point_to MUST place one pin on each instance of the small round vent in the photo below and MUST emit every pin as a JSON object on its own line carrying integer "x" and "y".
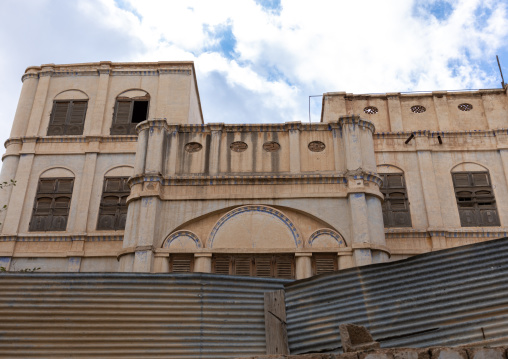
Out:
{"x": 418, "y": 109}
{"x": 271, "y": 146}
{"x": 316, "y": 146}
{"x": 370, "y": 110}
{"x": 193, "y": 147}
{"x": 238, "y": 146}
{"x": 465, "y": 107}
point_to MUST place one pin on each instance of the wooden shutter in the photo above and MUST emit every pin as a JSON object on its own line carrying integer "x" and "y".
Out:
{"x": 67, "y": 118}
{"x": 395, "y": 205}
{"x": 256, "y": 265}
{"x": 52, "y": 204}
{"x": 122, "y": 118}
{"x": 284, "y": 266}
{"x": 324, "y": 263}
{"x": 221, "y": 264}
{"x": 475, "y": 199}
{"x": 181, "y": 263}
{"x": 113, "y": 207}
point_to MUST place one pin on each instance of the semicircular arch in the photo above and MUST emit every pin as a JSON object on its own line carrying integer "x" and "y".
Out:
{"x": 57, "y": 172}
{"x": 134, "y": 94}
{"x": 182, "y": 239}
{"x": 72, "y": 94}
{"x": 254, "y": 226}
{"x": 469, "y": 167}
{"x": 120, "y": 171}
{"x": 389, "y": 168}
{"x": 326, "y": 238}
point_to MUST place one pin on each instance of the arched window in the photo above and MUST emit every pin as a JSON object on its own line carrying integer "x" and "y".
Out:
{"x": 475, "y": 198}
{"x": 131, "y": 108}
{"x": 396, "y": 205}
{"x": 68, "y": 113}
{"x": 113, "y": 207}
{"x": 52, "y": 201}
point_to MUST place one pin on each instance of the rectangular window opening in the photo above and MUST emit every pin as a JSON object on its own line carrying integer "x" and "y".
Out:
{"x": 396, "y": 205}
{"x": 140, "y": 111}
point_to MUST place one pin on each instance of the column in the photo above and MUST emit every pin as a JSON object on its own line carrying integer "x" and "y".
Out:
{"x": 394, "y": 112}
{"x": 376, "y": 228}
{"x": 39, "y": 101}
{"x": 94, "y": 126}
{"x": 161, "y": 263}
{"x": 338, "y": 148}
{"x": 155, "y": 150}
{"x": 303, "y": 265}
{"x": 9, "y": 169}
{"x": 360, "y": 229}
{"x": 430, "y": 194}
{"x": 139, "y": 161}
{"x": 294, "y": 146}
{"x": 26, "y": 99}
{"x": 213, "y": 155}
{"x": 203, "y": 262}
{"x": 171, "y": 157}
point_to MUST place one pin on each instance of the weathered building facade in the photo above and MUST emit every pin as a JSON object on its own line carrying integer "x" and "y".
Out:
{"x": 116, "y": 170}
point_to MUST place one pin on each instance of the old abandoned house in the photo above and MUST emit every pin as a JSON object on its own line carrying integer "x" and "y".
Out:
{"x": 117, "y": 171}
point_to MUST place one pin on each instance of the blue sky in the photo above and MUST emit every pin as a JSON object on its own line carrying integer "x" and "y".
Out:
{"x": 258, "y": 61}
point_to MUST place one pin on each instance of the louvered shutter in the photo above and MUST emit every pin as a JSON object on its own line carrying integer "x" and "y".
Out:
{"x": 475, "y": 199}
{"x": 76, "y": 118}
{"x": 395, "y": 205}
{"x": 284, "y": 266}
{"x": 324, "y": 263}
{"x": 113, "y": 207}
{"x": 122, "y": 119}
{"x": 221, "y": 264}
{"x": 263, "y": 266}
{"x": 242, "y": 265}
{"x": 52, "y": 205}
{"x": 58, "y": 118}
{"x": 181, "y": 263}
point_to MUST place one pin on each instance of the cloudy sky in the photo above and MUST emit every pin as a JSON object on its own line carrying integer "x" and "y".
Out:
{"x": 259, "y": 61}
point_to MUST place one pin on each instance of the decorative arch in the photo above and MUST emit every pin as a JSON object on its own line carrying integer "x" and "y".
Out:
{"x": 72, "y": 94}
{"x": 250, "y": 225}
{"x": 57, "y": 172}
{"x": 134, "y": 94}
{"x": 388, "y": 168}
{"x": 326, "y": 238}
{"x": 182, "y": 239}
{"x": 469, "y": 167}
{"x": 120, "y": 171}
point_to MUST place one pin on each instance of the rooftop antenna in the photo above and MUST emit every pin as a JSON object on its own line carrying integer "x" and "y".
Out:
{"x": 501, "y": 71}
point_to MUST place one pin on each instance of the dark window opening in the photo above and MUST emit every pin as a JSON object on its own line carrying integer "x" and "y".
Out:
{"x": 113, "y": 207}
{"x": 396, "y": 205}
{"x": 259, "y": 265}
{"x": 67, "y": 118}
{"x": 475, "y": 199}
{"x": 51, "y": 205}
{"x": 128, "y": 113}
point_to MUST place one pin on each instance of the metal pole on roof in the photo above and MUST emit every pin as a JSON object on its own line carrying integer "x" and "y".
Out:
{"x": 501, "y": 71}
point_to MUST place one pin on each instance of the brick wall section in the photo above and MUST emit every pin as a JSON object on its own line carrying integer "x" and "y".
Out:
{"x": 406, "y": 353}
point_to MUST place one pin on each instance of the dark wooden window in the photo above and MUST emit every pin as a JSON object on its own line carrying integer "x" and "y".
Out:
{"x": 396, "y": 205}
{"x": 255, "y": 265}
{"x": 113, "y": 208}
{"x": 324, "y": 263}
{"x": 475, "y": 199}
{"x": 51, "y": 205}
{"x": 128, "y": 113}
{"x": 181, "y": 263}
{"x": 67, "y": 118}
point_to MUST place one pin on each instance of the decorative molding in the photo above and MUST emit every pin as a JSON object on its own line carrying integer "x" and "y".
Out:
{"x": 444, "y": 134}
{"x": 70, "y": 139}
{"x": 394, "y": 233}
{"x": 29, "y": 76}
{"x": 355, "y": 120}
{"x": 60, "y": 238}
{"x": 253, "y": 208}
{"x": 175, "y": 71}
{"x": 183, "y": 233}
{"x": 341, "y": 242}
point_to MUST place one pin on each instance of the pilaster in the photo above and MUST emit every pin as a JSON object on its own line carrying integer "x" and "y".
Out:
{"x": 216, "y": 133}
{"x": 41, "y": 95}
{"x": 79, "y": 222}
{"x": 394, "y": 112}
{"x": 294, "y": 146}
{"x": 94, "y": 125}
{"x": 203, "y": 262}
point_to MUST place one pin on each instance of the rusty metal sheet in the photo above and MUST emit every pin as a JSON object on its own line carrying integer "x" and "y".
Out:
{"x": 132, "y": 315}
{"x": 451, "y": 297}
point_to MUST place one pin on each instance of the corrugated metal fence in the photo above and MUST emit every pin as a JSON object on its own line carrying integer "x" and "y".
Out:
{"x": 451, "y": 297}
{"x": 132, "y": 315}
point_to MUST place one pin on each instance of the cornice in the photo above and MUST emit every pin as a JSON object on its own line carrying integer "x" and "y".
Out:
{"x": 443, "y": 134}
{"x": 69, "y": 139}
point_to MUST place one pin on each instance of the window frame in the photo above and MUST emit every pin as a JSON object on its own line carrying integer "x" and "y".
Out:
{"x": 54, "y": 195}
{"x": 479, "y": 219}
{"x": 67, "y": 126}
{"x": 277, "y": 267}
{"x": 389, "y": 212}
{"x": 120, "y": 208}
